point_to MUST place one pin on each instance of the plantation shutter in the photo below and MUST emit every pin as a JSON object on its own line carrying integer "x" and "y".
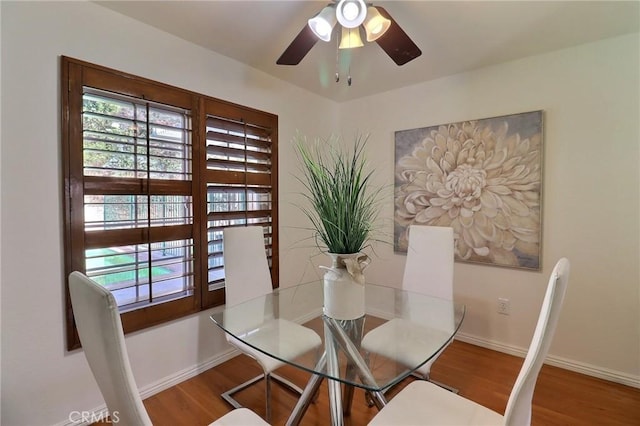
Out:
{"x": 138, "y": 209}
{"x": 241, "y": 183}
{"x": 129, "y": 213}
{"x": 152, "y": 174}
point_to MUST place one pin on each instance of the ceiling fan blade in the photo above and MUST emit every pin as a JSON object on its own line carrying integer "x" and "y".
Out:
{"x": 299, "y": 47}
{"x": 396, "y": 43}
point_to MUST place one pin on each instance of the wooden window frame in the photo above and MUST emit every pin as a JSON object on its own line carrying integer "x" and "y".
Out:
{"x": 77, "y": 74}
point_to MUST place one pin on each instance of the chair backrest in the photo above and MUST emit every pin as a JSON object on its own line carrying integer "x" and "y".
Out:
{"x": 518, "y": 411}
{"x": 429, "y": 266}
{"x": 100, "y": 330}
{"x": 246, "y": 267}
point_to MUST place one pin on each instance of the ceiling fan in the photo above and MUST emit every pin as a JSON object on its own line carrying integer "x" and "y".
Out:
{"x": 352, "y": 15}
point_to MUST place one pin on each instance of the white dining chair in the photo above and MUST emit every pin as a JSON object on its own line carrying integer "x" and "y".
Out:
{"x": 423, "y": 403}
{"x": 429, "y": 271}
{"x": 100, "y": 330}
{"x": 247, "y": 276}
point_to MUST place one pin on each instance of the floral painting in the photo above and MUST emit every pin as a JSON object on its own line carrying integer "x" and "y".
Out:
{"x": 480, "y": 177}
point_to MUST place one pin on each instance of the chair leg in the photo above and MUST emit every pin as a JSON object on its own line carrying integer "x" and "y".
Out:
{"x": 267, "y": 387}
{"x": 369, "y": 398}
{"x": 442, "y": 385}
{"x": 227, "y": 396}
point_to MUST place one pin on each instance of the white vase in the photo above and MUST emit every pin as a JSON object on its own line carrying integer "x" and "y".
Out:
{"x": 344, "y": 286}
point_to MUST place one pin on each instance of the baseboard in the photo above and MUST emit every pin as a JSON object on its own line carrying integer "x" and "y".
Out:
{"x": 187, "y": 373}
{"x": 556, "y": 361}
{"x": 101, "y": 412}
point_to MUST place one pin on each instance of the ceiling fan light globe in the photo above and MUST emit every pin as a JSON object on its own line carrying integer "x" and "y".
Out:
{"x": 351, "y": 13}
{"x": 322, "y": 30}
{"x": 375, "y": 25}
{"x": 350, "y": 38}
{"x": 322, "y": 24}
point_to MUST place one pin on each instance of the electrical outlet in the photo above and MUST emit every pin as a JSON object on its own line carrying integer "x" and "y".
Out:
{"x": 504, "y": 307}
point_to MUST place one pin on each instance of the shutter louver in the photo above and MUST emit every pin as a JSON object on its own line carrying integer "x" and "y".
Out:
{"x": 240, "y": 186}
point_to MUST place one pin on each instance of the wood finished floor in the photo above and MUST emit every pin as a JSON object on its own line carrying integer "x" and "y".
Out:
{"x": 561, "y": 397}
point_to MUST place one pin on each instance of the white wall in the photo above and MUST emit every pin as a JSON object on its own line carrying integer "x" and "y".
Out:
{"x": 41, "y": 382}
{"x": 0, "y": 230}
{"x": 591, "y": 194}
{"x": 590, "y": 97}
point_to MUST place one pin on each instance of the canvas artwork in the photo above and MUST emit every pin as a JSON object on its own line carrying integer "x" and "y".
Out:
{"x": 482, "y": 178}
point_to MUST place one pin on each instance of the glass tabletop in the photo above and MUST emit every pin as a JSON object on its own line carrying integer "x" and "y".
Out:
{"x": 414, "y": 318}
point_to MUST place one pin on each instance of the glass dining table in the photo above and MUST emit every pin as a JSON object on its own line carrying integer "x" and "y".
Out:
{"x": 341, "y": 359}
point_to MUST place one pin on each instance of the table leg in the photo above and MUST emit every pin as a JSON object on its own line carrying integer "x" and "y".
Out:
{"x": 353, "y": 355}
{"x": 355, "y": 330}
{"x": 345, "y": 334}
{"x": 347, "y": 397}
{"x": 308, "y": 394}
{"x": 333, "y": 369}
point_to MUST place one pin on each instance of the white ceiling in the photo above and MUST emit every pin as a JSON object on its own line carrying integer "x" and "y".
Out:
{"x": 454, "y": 36}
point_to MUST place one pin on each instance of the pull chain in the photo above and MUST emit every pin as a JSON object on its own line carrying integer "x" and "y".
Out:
{"x": 337, "y": 60}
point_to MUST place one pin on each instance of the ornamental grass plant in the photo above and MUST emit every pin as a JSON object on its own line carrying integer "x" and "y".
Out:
{"x": 344, "y": 204}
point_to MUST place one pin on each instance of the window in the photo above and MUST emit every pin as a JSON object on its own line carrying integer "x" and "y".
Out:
{"x": 129, "y": 148}
{"x": 153, "y": 174}
{"x": 240, "y": 184}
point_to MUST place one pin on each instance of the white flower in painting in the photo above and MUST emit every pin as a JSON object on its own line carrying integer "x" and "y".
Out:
{"x": 483, "y": 183}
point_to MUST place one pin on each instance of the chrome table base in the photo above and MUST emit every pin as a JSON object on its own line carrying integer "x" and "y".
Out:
{"x": 346, "y": 336}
